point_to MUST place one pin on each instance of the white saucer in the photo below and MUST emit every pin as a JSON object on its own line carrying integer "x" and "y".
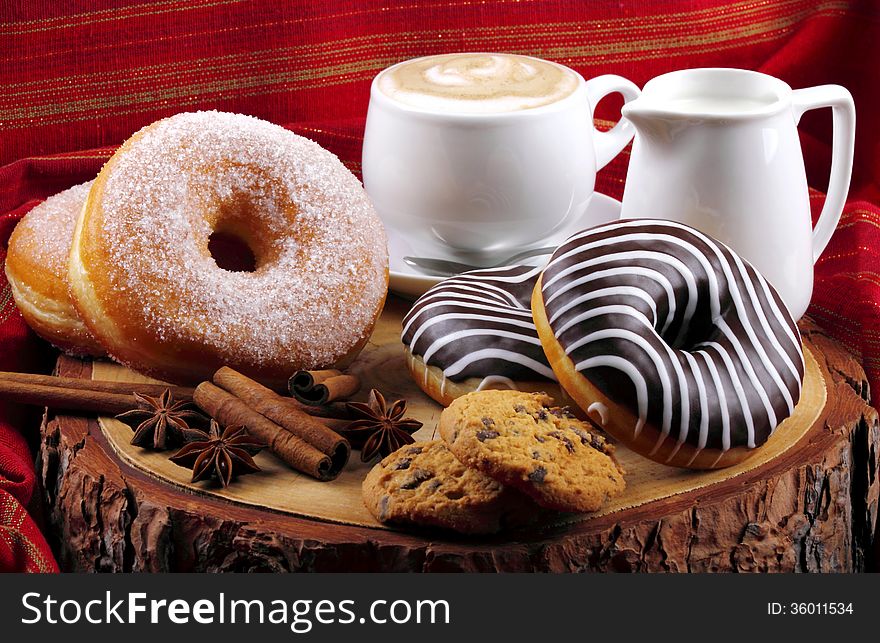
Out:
{"x": 410, "y": 283}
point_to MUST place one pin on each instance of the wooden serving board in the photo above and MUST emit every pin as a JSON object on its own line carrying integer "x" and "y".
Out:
{"x": 382, "y": 366}
{"x": 764, "y": 513}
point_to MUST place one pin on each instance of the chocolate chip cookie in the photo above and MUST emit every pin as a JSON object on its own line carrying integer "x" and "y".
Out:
{"x": 521, "y": 440}
{"x": 423, "y": 484}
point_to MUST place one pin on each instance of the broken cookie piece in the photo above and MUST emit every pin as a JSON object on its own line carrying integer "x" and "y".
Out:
{"x": 425, "y": 485}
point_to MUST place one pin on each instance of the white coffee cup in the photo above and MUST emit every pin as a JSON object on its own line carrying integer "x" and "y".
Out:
{"x": 478, "y": 177}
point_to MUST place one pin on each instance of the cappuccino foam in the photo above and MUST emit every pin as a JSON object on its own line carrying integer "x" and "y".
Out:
{"x": 477, "y": 83}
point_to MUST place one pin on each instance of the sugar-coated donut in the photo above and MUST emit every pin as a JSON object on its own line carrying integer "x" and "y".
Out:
{"x": 474, "y": 332}
{"x": 670, "y": 340}
{"x": 145, "y": 282}
{"x": 36, "y": 267}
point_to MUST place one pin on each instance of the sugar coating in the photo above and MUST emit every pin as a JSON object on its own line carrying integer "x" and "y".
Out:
{"x": 50, "y": 225}
{"x": 320, "y": 247}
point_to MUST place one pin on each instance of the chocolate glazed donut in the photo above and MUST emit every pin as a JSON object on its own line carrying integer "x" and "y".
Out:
{"x": 678, "y": 346}
{"x": 475, "y": 331}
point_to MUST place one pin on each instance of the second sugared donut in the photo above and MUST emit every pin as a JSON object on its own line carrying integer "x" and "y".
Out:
{"x": 145, "y": 281}
{"x": 36, "y": 267}
{"x": 671, "y": 341}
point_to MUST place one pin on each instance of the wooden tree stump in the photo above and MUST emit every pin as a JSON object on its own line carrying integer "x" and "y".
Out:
{"x": 812, "y": 508}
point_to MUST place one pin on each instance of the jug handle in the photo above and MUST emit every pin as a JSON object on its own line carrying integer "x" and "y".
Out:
{"x": 609, "y": 144}
{"x": 844, "y": 132}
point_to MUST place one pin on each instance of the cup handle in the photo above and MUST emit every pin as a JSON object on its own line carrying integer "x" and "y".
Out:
{"x": 609, "y": 144}
{"x": 843, "y": 142}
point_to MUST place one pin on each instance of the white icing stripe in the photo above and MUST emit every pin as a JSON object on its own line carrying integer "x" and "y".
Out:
{"x": 740, "y": 394}
{"x": 750, "y": 371}
{"x": 464, "y": 288}
{"x": 494, "y": 353}
{"x": 740, "y": 304}
{"x": 704, "y": 403}
{"x": 464, "y": 299}
{"x": 657, "y": 276}
{"x": 765, "y": 325}
{"x": 475, "y": 317}
{"x": 722, "y": 401}
{"x": 487, "y": 285}
{"x": 646, "y": 255}
{"x": 715, "y": 299}
{"x": 780, "y": 316}
{"x": 492, "y": 380}
{"x": 620, "y": 291}
{"x": 601, "y": 410}
{"x": 780, "y": 319}
{"x": 467, "y": 296}
{"x": 474, "y": 332}
{"x": 606, "y": 310}
{"x": 771, "y": 336}
{"x": 642, "y": 343}
{"x": 638, "y": 380}
{"x": 485, "y": 290}
{"x": 684, "y": 413}
{"x": 524, "y": 319}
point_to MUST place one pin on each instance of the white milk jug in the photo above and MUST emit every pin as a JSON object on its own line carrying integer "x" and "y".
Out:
{"x": 718, "y": 149}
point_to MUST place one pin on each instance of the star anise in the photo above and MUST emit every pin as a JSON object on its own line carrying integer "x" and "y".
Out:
{"x": 221, "y": 455}
{"x": 379, "y": 429}
{"x": 165, "y": 423}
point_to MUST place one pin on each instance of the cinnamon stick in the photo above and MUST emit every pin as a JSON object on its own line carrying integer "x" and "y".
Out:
{"x": 227, "y": 409}
{"x": 127, "y": 388}
{"x": 336, "y": 423}
{"x": 279, "y": 409}
{"x": 333, "y": 410}
{"x": 308, "y": 379}
{"x": 321, "y": 387}
{"x": 69, "y": 399}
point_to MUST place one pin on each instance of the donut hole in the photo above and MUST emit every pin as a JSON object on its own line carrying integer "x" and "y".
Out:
{"x": 231, "y": 252}
{"x": 701, "y": 330}
{"x": 698, "y": 339}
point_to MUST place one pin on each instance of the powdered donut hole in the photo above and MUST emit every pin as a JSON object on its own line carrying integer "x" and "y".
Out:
{"x": 309, "y": 267}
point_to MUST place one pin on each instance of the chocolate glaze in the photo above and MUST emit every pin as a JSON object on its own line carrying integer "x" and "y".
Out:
{"x": 676, "y": 327}
{"x": 479, "y": 324}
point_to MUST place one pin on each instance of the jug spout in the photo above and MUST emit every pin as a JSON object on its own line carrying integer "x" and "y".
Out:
{"x": 649, "y": 119}
{"x": 638, "y": 110}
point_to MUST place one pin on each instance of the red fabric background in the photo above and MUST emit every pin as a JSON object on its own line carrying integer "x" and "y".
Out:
{"x": 76, "y": 80}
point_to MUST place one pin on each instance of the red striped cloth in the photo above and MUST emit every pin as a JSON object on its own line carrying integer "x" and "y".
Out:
{"x": 77, "y": 80}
